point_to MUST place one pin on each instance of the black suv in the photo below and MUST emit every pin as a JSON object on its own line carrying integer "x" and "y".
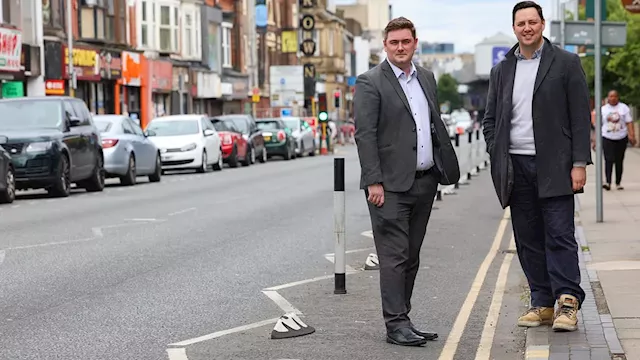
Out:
{"x": 7, "y": 178}
{"x": 53, "y": 142}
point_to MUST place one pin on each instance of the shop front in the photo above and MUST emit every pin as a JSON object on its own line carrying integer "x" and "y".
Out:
{"x": 131, "y": 86}
{"x": 235, "y": 91}
{"x": 161, "y": 73}
{"x": 86, "y": 66}
{"x": 12, "y": 74}
{"x": 181, "y": 89}
{"x": 208, "y": 97}
{"x": 110, "y": 63}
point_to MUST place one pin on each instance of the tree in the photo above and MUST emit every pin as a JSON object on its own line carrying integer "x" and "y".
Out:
{"x": 448, "y": 91}
{"x": 621, "y": 67}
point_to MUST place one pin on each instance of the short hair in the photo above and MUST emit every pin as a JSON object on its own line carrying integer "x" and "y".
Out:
{"x": 400, "y": 24}
{"x": 525, "y": 5}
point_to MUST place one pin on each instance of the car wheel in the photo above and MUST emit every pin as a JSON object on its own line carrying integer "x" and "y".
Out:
{"x": 96, "y": 182}
{"x": 157, "y": 174}
{"x": 233, "y": 158}
{"x": 204, "y": 167}
{"x": 220, "y": 164}
{"x": 61, "y": 187}
{"x": 313, "y": 150}
{"x": 252, "y": 155}
{"x": 130, "y": 177}
{"x": 9, "y": 193}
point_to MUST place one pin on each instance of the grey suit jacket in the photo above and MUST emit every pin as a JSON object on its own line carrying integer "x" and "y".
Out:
{"x": 561, "y": 121}
{"x": 386, "y": 132}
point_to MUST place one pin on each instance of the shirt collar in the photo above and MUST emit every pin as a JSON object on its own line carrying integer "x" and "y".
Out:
{"x": 399, "y": 72}
{"x": 536, "y": 54}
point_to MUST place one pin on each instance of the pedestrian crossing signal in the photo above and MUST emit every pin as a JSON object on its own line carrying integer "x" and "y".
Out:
{"x": 323, "y": 116}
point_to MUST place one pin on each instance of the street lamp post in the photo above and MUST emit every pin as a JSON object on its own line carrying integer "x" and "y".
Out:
{"x": 71, "y": 70}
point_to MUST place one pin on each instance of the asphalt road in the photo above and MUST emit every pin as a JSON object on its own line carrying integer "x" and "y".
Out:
{"x": 124, "y": 273}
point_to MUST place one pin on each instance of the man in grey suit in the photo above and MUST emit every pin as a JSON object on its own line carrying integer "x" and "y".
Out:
{"x": 404, "y": 151}
{"x": 537, "y": 127}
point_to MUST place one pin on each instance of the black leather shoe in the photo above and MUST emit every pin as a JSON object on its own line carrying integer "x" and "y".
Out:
{"x": 405, "y": 337}
{"x": 426, "y": 335}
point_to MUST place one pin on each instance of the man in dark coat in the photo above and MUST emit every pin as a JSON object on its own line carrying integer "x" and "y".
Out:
{"x": 537, "y": 130}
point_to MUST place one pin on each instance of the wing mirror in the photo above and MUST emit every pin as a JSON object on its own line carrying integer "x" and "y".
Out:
{"x": 74, "y": 121}
{"x": 208, "y": 132}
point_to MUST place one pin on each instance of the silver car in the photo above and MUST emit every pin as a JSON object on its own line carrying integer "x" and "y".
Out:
{"x": 303, "y": 133}
{"x": 128, "y": 153}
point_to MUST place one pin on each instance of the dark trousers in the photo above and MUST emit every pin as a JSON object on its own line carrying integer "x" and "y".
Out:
{"x": 399, "y": 227}
{"x": 614, "y": 155}
{"x": 544, "y": 230}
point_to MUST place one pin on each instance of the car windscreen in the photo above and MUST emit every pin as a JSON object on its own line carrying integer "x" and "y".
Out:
{"x": 173, "y": 128}
{"x": 104, "y": 126}
{"x": 241, "y": 124}
{"x": 219, "y": 125}
{"x": 269, "y": 125}
{"x": 30, "y": 114}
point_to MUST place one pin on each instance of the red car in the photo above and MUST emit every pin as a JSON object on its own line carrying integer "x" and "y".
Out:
{"x": 234, "y": 146}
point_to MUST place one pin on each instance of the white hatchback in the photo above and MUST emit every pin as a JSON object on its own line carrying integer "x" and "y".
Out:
{"x": 186, "y": 142}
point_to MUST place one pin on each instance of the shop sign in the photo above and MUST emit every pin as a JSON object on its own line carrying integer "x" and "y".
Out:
{"x": 110, "y": 65}
{"x": 12, "y": 89}
{"x": 161, "y": 75}
{"x": 131, "y": 68}
{"x": 208, "y": 85}
{"x": 85, "y": 62}
{"x": 54, "y": 87}
{"x": 240, "y": 89}
{"x": 10, "y": 49}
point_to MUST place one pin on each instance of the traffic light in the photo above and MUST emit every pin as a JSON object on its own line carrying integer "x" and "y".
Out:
{"x": 323, "y": 114}
{"x": 336, "y": 98}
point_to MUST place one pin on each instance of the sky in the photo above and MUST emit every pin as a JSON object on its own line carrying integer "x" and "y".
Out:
{"x": 463, "y": 22}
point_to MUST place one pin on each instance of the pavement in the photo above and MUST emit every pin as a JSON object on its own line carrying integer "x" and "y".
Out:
{"x": 201, "y": 266}
{"x": 609, "y": 325}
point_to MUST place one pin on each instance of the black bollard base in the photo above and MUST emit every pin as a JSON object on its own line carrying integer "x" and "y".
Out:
{"x": 340, "y": 284}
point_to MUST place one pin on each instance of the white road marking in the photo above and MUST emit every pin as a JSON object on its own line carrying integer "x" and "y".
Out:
{"x": 2, "y": 255}
{"x": 331, "y": 259}
{"x": 50, "y": 244}
{"x": 97, "y": 232}
{"x": 352, "y": 251}
{"x": 182, "y": 211}
{"x": 15, "y": 206}
{"x": 491, "y": 322}
{"x": 282, "y": 303}
{"x": 451, "y": 345}
{"x": 177, "y": 354}
{"x": 142, "y": 220}
{"x": 368, "y": 233}
{"x": 218, "y": 334}
{"x": 306, "y": 281}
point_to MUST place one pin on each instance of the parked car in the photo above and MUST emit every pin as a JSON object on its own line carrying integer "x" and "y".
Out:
{"x": 7, "y": 178}
{"x": 247, "y": 126}
{"x": 53, "y": 142}
{"x": 303, "y": 134}
{"x": 463, "y": 121}
{"x": 128, "y": 153}
{"x": 186, "y": 142}
{"x": 278, "y": 138}
{"x": 451, "y": 127}
{"x": 235, "y": 149}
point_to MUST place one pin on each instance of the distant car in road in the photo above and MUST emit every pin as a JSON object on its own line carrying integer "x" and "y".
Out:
{"x": 186, "y": 142}
{"x": 303, "y": 134}
{"x": 128, "y": 153}
{"x": 235, "y": 149}
{"x": 53, "y": 143}
{"x": 7, "y": 177}
{"x": 278, "y": 138}
{"x": 247, "y": 126}
{"x": 462, "y": 121}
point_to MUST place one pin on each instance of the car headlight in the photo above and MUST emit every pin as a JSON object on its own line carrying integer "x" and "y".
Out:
{"x": 189, "y": 147}
{"x": 39, "y": 147}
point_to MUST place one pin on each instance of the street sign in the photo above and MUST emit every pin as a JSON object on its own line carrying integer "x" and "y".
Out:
{"x": 286, "y": 112}
{"x": 498, "y": 53}
{"x": 632, "y": 6}
{"x": 255, "y": 98}
{"x": 614, "y": 34}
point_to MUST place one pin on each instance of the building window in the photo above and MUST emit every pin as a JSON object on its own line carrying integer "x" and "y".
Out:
{"x": 191, "y": 33}
{"x": 145, "y": 25}
{"x": 168, "y": 28}
{"x": 226, "y": 44}
{"x": 110, "y": 21}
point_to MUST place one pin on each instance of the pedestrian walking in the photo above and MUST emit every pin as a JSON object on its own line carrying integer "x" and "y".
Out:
{"x": 617, "y": 132}
{"x": 536, "y": 170}
{"x": 404, "y": 152}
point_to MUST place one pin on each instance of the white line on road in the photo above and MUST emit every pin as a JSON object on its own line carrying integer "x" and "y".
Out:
{"x": 97, "y": 232}
{"x": 282, "y": 303}
{"x": 2, "y": 254}
{"x": 50, "y": 244}
{"x": 218, "y": 334}
{"x": 352, "y": 251}
{"x": 182, "y": 211}
{"x": 451, "y": 345}
{"x": 491, "y": 323}
{"x": 177, "y": 354}
{"x": 368, "y": 233}
{"x": 142, "y": 220}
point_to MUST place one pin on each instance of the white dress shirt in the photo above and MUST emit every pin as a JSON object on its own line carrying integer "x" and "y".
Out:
{"x": 421, "y": 115}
